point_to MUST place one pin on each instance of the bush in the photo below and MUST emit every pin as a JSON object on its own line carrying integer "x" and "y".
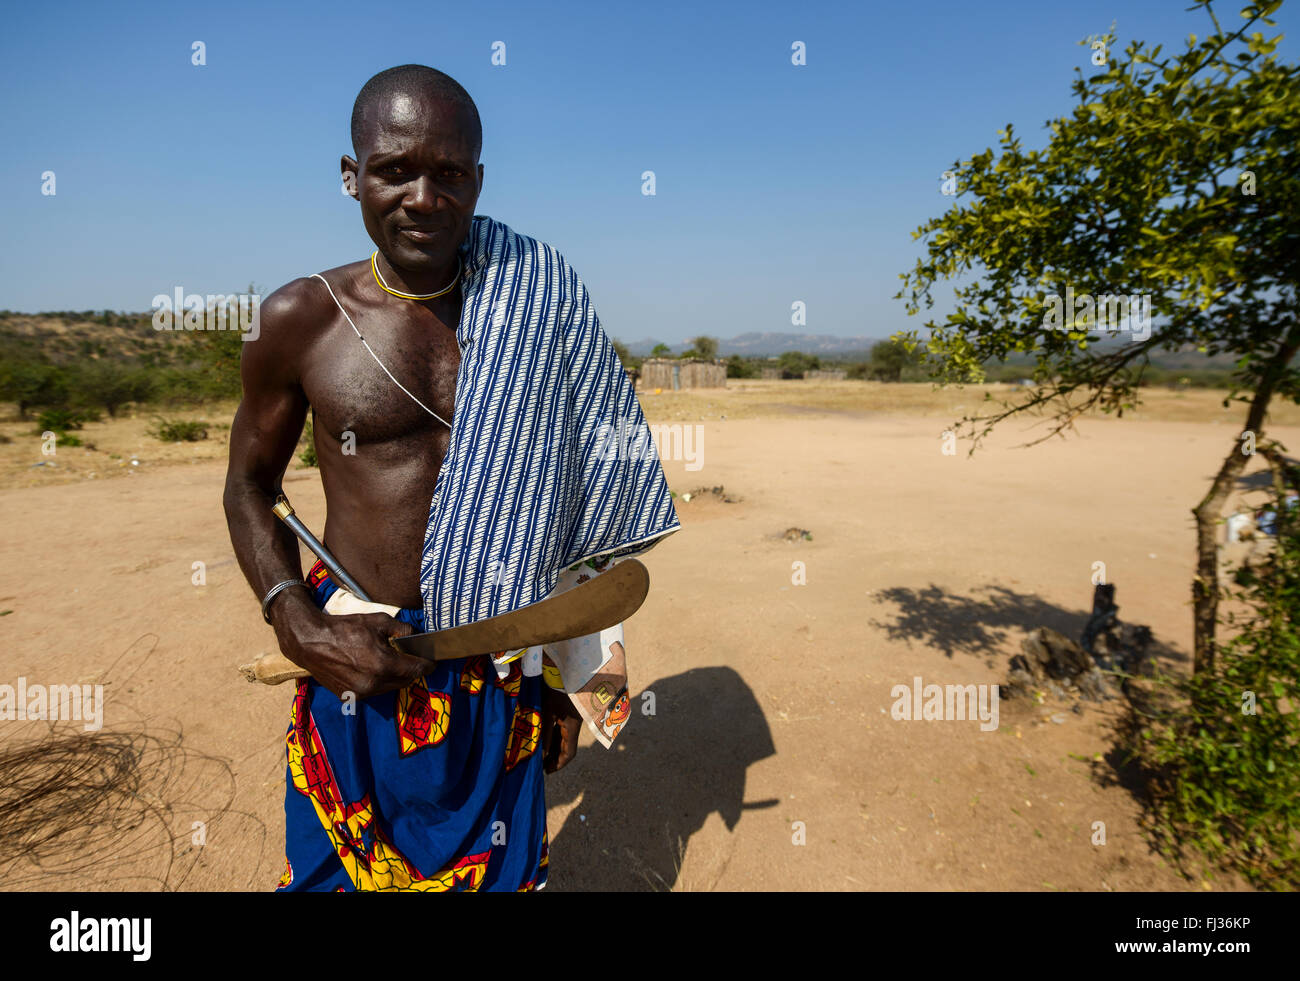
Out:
{"x": 61, "y": 420}
{"x": 217, "y": 354}
{"x": 738, "y": 367}
{"x": 888, "y": 361}
{"x": 179, "y": 431}
{"x": 794, "y": 363}
{"x": 1222, "y": 754}
{"x": 624, "y": 355}
{"x": 308, "y": 454}
{"x": 30, "y": 382}
{"x": 705, "y": 347}
{"x": 110, "y": 385}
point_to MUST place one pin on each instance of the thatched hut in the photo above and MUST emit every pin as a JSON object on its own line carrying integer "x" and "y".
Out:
{"x": 672, "y": 374}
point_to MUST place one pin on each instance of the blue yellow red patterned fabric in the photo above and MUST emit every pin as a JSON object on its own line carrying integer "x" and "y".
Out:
{"x": 436, "y": 787}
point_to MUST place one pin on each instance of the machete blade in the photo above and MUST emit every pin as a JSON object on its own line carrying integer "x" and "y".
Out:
{"x": 602, "y": 601}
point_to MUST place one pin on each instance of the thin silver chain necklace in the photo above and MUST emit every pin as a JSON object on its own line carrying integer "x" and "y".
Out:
{"x": 376, "y": 357}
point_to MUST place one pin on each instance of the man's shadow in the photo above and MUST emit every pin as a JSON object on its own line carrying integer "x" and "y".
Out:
{"x": 665, "y": 774}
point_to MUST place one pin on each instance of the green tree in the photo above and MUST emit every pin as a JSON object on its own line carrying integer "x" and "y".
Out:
{"x": 661, "y": 351}
{"x": 794, "y": 363}
{"x": 1224, "y": 774}
{"x": 888, "y": 359}
{"x": 705, "y": 347}
{"x": 109, "y": 385}
{"x": 624, "y": 355}
{"x": 738, "y": 367}
{"x": 308, "y": 443}
{"x": 1175, "y": 178}
{"x": 218, "y": 352}
{"x": 29, "y": 382}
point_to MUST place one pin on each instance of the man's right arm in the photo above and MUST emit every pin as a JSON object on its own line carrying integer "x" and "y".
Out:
{"x": 348, "y": 653}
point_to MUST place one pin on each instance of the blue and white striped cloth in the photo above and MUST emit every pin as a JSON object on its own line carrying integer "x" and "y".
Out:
{"x": 529, "y": 486}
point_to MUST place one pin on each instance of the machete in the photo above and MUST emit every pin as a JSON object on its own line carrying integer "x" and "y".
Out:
{"x": 606, "y": 599}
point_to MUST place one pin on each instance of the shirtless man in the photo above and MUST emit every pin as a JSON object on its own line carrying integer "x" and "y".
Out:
{"x": 417, "y": 137}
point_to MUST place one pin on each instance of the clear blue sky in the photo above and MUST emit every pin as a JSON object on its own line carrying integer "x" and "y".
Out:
{"x": 775, "y": 183}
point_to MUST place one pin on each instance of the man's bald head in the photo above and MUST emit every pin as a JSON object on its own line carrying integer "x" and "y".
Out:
{"x": 413, "y": 80}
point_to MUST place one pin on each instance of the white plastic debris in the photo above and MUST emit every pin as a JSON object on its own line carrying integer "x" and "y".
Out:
{"x": 1237, "y": 524}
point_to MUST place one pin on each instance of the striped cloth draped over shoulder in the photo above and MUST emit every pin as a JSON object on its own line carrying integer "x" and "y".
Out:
{"x": 538, "y": 475}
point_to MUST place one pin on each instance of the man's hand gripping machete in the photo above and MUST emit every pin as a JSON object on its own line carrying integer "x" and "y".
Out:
{"x": 601, "y": 602}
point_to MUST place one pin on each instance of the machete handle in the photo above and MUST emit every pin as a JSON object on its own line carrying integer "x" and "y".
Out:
{"x": 275, "y": 669}
{"x": 272, "y": 669}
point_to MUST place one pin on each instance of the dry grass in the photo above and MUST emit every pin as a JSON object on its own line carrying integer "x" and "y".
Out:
{"x": 652, "y": 878}
{"x": 746, "y": 399}
{"x": 113, "y": 444}
{"x": 108, "y": 448}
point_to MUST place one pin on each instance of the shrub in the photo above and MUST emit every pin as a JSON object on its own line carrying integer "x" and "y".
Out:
{"x": 110, "y": 385}
{"x": 30, "y": 382}
{"x": 179, "y": 430}
{"x": 738, "y": 367}
{"x": 705, "y": 347}
{"x": 794, "y": 363}
{"x": 61, "y": 420}
{"x": 888, "y": 360}
{"x": 1222, "y": 750}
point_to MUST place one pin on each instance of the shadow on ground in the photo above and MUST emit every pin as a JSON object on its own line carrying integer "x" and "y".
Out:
{"x": 666, "y": 774}
{"x": 1258, "y": 480}
{"x": 990, "y": 626}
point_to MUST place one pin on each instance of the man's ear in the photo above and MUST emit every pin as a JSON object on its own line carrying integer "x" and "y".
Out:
{"x": 480, "y": 178}
{"x": 349, "y": 168}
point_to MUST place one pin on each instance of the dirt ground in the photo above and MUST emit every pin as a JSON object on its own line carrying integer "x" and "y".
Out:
{"x": 771, "y": 697}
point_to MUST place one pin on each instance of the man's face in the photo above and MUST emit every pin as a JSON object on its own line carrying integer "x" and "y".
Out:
{"x": 418, "y": 180}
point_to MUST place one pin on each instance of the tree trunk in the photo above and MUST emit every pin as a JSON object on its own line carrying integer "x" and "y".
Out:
{"x": 1205, "y": 587}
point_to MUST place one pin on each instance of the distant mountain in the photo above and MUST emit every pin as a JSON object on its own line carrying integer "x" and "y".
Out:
{"x": 766, "y": 345}
{"x": 754, "y": 345}
{"x": 642, "y": 349}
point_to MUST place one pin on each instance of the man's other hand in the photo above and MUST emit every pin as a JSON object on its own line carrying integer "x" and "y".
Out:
{"x": 561, "y": 724}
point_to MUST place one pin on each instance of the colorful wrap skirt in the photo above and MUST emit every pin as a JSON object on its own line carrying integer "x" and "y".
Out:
{"x": 435, "y": 787}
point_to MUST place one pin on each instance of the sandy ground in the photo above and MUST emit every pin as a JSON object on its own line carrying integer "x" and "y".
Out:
{"x": 770, "y": 699}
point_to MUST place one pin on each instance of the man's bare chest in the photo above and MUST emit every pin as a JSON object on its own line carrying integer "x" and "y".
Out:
{"x": 351, "y": 391}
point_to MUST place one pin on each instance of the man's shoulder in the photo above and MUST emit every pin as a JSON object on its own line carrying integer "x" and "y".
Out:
{"x": 493, "y": 239}
{"x": 305, "y": 302}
